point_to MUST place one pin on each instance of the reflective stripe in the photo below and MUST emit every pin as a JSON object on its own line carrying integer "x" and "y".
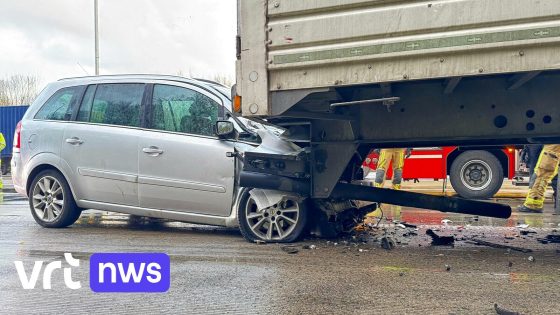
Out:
{"x": 535, "y": 204}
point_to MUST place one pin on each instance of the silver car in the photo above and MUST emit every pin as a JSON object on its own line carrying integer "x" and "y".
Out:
{"x": 147, "y": 146}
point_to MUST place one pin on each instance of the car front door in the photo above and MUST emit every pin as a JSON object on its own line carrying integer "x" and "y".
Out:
{"x": 182, "y": 165}
{"x": 101, "y": 147}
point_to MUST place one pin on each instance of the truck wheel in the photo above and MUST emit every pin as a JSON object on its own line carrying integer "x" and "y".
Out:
{"x": 51, "y": 201}
{"x": 284, "y": 222}
{"x": 476, "y": 175}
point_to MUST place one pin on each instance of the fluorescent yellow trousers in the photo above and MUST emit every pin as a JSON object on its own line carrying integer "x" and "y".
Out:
{"x": 385, "y": 158}
{"x": 2, "y": 146}
{"x": 545, "y": 170}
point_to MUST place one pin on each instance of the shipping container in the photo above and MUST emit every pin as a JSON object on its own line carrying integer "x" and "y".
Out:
{"x": 9, "y": 117}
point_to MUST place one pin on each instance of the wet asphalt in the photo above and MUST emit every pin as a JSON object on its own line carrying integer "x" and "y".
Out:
{"x": 213, "y": 270}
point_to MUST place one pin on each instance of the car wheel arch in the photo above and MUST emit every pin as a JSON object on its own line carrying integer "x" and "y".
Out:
{"x": 43, "y": 167}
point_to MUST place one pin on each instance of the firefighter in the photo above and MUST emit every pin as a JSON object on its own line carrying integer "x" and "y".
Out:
{"x": 385, "y": 158}
{"x": 530, "y": 155}
{"x": 2, "y": 146}
{"x": 545, "y": 170}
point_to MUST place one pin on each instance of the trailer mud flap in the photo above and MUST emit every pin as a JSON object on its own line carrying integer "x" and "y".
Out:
{"x": 416, "y": 200}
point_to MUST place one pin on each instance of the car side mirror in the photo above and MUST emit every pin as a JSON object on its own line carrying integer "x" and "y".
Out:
{"x": 224, "y": 129}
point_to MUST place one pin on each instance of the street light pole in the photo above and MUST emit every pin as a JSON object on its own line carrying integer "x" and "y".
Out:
{"x": 96, "y": 22}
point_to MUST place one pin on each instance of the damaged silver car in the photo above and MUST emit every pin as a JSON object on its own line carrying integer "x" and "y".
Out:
{"x": 155, "y": 146}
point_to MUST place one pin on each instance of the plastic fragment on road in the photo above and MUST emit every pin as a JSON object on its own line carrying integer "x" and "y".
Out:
{"x": 496, "y": 245}
{"x": 553, "y": 238}
{"x": 440, "y": 240}
{"x": 387, "y": 243}
{"x": 522, "y": 226}
{"x": 503, "y": 311}
{"x": 446, "y": 221}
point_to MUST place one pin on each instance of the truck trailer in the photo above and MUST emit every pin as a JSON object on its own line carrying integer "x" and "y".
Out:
{"x": 346, "y": 76}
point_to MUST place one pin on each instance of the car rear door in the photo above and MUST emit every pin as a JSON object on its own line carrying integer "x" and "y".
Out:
{"x": 182, "y": 165}
{"x": 100, "y": 148}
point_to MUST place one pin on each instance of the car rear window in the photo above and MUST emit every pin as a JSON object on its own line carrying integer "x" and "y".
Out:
{"x": 112, "y": 104}
{"x": 59, "y": 106}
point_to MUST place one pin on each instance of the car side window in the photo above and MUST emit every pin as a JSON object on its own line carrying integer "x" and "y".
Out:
{"x": 112, "y": 104}
{"x": 183, "y": 110}
{"x": 59, "y": 106}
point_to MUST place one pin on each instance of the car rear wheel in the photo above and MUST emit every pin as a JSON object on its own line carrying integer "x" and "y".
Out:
{"x": 476, "y": 175}
{"x": 284, "y": 222}
{"x": 51, "y": 201}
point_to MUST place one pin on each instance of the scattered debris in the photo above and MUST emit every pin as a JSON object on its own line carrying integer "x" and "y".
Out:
{"x": 410, "y": 234}
{"x": 401, "y": 274}
{"x": 489, "y": 244}
{"x": 525, "y": 232}
{"x": 440, "y": 240}
{"x": 309, "y": 247}
{"x": 446, "y": 221}
{"x": 362, "y": 250}
{"x": 335, "y": 244}
{"x": 522, "y": 226}
{"x": 531, "y": 258}
{"x": 503, "y": 311}
{"x": 550, "y": 239}
{"x": 260, "y": 242}
{"x": 402, "y": 226}
{"x": 447, "y": 268}
{"x": 387, "y": 243}
{"x": 510, "y": 264}
{"x": 290, "y": 249}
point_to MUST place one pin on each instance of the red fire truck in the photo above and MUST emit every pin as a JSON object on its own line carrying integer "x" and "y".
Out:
{"x": 475, "y": 173}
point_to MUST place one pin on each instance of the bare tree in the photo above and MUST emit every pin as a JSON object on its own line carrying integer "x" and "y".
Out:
{"x": 18, "y": 89}
{"x": 220, "y": 78}
{"x": 223, "y": 79}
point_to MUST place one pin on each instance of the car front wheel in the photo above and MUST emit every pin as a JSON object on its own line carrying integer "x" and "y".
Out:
{"x": 51, "y": 201}
{"x": 284, "y": 222}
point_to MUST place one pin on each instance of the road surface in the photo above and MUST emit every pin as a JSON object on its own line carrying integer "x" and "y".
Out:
{"x": 213, "y": 270}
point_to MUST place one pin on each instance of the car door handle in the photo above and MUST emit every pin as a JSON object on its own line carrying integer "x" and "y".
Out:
{"x": 153, "y": 151}
{"x": 74, "y": 141}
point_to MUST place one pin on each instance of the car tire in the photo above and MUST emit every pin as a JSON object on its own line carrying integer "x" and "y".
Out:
{"x": 476, "y": 175}
{"x": 51, "y": 201}
{"x": 285, "y": 222}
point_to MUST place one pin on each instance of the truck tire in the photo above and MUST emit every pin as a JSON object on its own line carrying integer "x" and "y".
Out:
{"x": 476, "y": 175}
{"x": 285, "y": 222}
{"x": 51, "y": 201}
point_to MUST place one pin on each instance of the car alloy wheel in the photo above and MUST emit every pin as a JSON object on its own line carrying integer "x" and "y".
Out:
{"x": 48, "y": 199}
{"x": 274, "y": 223}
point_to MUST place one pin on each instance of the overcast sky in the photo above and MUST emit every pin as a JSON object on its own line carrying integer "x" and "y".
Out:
{"x": 55, "y": 38}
